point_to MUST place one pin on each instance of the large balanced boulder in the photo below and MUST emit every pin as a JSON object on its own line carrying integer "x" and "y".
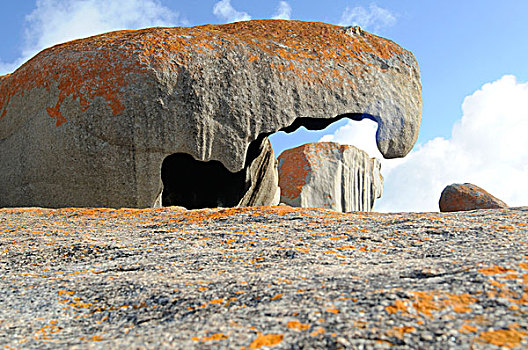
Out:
{"x": 92, "y": 122}
{"x": 328, "y": 175}
{"x": 461, "y": 197}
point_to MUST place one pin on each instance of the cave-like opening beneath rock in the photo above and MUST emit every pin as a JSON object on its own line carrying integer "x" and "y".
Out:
{"x": 196, "y": 184}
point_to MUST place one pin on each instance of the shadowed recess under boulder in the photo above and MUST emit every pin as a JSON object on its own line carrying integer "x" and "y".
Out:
{"x": 194, "y": 184}
{"x": 98, "y": 116}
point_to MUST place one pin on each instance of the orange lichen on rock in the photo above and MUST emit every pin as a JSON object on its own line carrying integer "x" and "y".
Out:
{"x": 104, "y": 65}
{"x": 427, "y": 302}
{"x": 216, "y": 336}
{"x": 466, "y": 328}
{"x": 424, "y": 303}
{"x": 266, "y": 340}
{"x": 399, "y": 305}
{"x": 295, "y": 172}
{"x": 298, "y": 325}
{"x": 508, "y": 338}
{"x": 332, "y": 310}
{"x": 461, "y": 197}
{"x": 198, "y": 216}
{"x": 399, "y": 332}
{"x": 494, "y": 270}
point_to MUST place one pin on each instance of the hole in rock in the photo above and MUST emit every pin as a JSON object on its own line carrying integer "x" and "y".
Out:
{"x": 307, "y": 130}
{"x": 194, "y": 184}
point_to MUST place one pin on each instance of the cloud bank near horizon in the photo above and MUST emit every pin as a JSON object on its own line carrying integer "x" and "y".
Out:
{"x": 488, "y": 147}
{"x": 57, "y": 21}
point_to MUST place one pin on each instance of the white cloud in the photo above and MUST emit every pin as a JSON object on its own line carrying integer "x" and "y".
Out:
{"x": 283, "y": 11}
{"x": 360, "y": 134}
{"x": 488, "y": 147}
{"x": 225, "y": 11}
{"x": 57, "y": 21}
{"x": 372, "y": 18}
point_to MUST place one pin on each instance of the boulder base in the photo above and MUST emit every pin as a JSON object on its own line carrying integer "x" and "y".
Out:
{"x": 461, "y": 197}
{"x": 328, "y": 175}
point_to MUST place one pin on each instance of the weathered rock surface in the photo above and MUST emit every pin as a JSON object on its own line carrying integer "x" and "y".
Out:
{"x": 460, "y": 197}
{"x": 90, "y": 122}
{"x": 331, "y": 176}
{"x": 284, "y": 277}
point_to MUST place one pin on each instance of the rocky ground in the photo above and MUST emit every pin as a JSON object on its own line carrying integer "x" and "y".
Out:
{"x": 269, "y": 277}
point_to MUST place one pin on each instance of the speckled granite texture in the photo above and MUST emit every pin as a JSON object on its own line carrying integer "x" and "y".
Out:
{"x": 267, "y": 277}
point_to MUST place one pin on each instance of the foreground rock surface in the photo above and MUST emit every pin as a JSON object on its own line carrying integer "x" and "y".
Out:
{"x": 248, "y": 277}
{"x": 330, "y": 176}
{"x": 89, "y": 122}
{"x": 460, "y": 197}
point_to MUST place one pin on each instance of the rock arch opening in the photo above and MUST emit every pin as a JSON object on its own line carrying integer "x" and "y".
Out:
{"x": 305, "y": 130}
{"x": 328, "y": 172}
{"x": 196, "y": 184}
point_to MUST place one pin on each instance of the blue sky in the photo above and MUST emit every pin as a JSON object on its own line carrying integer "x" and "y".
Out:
{"x": 460, "y": 46}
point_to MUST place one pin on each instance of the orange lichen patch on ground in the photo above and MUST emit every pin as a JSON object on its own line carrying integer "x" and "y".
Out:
{"x": 45, "y": 332}
{"x": 61, "y": 292}
{"x": 275, "y": 297}
{"x": 201, "y": 215}
{"x": 510, "y": 276}
{"x": 318, "y": 331}
{"x": 424, "y": 303}
{"x": 399, "y": 305}
{"x": 216, "y": 336}
{"x": 523, "y": 265}
{"x": 496, "y": 284}
{"x": 459, "y": 302}
{"x": 523, "y": 300}
{"x": 298, "y": 325}
{"x": 104, "y": 65}
{"x": 427, "y": 302}
{"x": 508, "y": 338}
{"x": 266, "y": 340}
{"x": 399, "y": 332}
{"x": 494, "y": 270}
{"x": 466, "y": 328}
{"x": 332, "y": 310}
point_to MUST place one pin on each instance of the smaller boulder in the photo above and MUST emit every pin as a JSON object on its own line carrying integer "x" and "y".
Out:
{"x": 461, "y": 197}
{"x": 331, "y": 176}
